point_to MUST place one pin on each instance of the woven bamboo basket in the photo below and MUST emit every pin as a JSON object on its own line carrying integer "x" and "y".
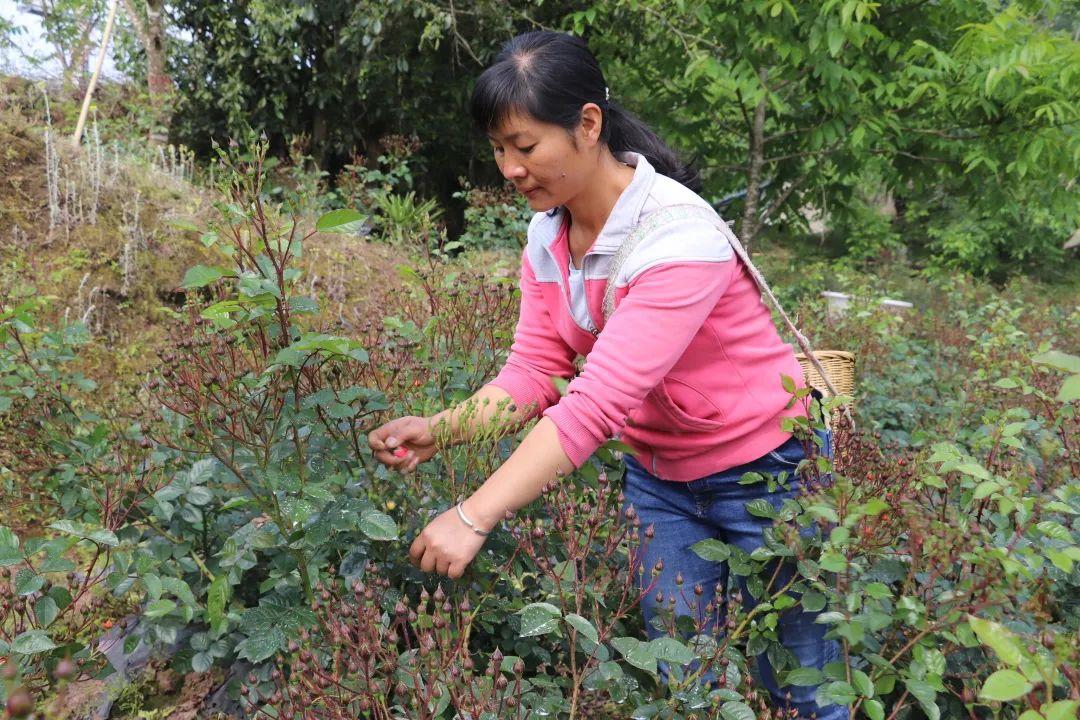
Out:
{"x": 839, "y": 365}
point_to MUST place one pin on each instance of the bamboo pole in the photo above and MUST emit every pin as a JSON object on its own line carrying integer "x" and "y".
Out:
{"x": 76, "y": 139}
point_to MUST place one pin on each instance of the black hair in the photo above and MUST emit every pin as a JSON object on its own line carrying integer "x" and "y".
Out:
{"x": 550, "y": 76}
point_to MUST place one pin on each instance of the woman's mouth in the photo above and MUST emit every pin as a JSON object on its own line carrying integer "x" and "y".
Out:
{"x": 531, "y": 192}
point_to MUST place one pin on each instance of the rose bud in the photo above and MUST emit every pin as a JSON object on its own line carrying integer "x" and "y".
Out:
{"x": 20, "y": 703}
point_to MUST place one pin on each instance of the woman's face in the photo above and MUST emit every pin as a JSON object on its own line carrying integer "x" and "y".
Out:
{"x": 547, "y": 164}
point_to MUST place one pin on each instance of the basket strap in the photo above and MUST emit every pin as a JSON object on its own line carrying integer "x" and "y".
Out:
{"x": 674, "y": 213}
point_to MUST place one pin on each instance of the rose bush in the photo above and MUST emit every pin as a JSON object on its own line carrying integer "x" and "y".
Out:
{"x": 242, "y": 512}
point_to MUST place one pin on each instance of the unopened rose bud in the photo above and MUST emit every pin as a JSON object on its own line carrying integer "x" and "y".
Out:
{"x": 64, "y": 670}
{"x": 20, "y": 703}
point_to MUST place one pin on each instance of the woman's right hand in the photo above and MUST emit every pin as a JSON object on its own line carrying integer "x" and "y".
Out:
{"x": 403, "y": 443}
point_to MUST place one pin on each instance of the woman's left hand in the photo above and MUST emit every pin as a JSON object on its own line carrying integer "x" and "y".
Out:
{"x": 446, "y": 546}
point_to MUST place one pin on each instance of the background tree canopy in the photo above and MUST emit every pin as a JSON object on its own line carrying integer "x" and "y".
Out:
{"x": 785, "y": 105}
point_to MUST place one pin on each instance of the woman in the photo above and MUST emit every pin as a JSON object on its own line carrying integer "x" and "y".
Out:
{"x": 686, "y": 371}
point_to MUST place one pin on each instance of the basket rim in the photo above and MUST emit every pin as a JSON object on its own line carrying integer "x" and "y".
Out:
{"x": 846, "y": 354}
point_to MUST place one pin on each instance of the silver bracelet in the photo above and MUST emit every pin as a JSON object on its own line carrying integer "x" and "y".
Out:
{"x": 467, "y": 521}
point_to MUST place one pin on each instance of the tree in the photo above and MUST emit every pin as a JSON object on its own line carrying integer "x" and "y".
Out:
{"x": 788, "y": 104}
{"x": 344, "y": 74}
{"x": 69, "y": 27}
{"x": 148, "y": 20}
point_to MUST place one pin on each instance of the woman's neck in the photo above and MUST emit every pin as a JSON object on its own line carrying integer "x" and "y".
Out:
{"x": 590, "y": 208}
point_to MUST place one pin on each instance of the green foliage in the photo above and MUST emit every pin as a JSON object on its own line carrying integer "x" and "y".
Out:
{"x": 344, "y": 73}
{"x": 964, "y": 113}
{"x": 493, "y": 219}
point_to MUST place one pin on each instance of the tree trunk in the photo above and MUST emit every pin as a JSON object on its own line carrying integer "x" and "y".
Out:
{"x": 748, "y": 226}
{"x": 151, "y": 32}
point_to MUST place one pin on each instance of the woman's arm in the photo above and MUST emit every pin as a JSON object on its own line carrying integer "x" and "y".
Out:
{"x": 447, "y": 546}
{"x": 524, "y": 387}
{"x": 490, "y": 410}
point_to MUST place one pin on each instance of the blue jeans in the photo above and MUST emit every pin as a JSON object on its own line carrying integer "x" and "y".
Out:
{"x": 684, "y": 513}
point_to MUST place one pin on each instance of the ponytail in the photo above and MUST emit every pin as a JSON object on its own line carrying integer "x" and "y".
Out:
{"x": 628, "y": 133}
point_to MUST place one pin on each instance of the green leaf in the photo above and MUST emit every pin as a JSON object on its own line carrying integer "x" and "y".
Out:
{"x": 736, "y": 710}
{"x": 804, "y": 677}
{"x": 671, "y": 650}
{"x": 378, "y": 526}
{"x": 1059, "y": 361}
{"x": 10, "y": 555}
{"x": 998, "y": 638}
{"x": 874, "y": 710}
{"x": 101, "y": 536}
{"x": 926, "y": 696}
{"x": 1061, "y": 710}
{"x": 159, "y": 608}
{"x": 761, "y": 508}
{"x": 180, "y": 589}
{"x": 1070, "y": 389}
{"x": 1061, "y": 561}
{"x": 261, "y": 646}
{"x": 1005, "y": 685}
{"x": 27, "y": 581}
{"x": 838, "y": 692}
{"x": 268, "y": 627}
{"x": 862, "y": 684}
{"x": 637, "y": 653}
{"x": 217, "y": 597}
{"x": 201, "y": 276}
{"x": 1055, "y": 530}
{"x": 539, "y": 618}
{"x": 712, "y": 550}
{"x": 583, "y": 626}
{"x": 153, "y": 585}
{"x": 199, "y": 495}
{"x": 833, "y": 562}
{"x": 973, "y": 469}
{"x": 45, "y": 611}
{"x": 343, "y": 221}
{"x": 32, "y": 641}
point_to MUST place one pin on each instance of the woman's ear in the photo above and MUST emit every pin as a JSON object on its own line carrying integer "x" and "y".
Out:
{"x": 592, "y": 122}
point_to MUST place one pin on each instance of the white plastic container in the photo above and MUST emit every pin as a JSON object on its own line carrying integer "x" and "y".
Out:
{"x": 896, "y": 306}
{"x": 837, "y": 303}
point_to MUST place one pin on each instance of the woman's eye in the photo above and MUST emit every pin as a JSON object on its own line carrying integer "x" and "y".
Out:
{"x": 527, "y": 150}
{"x": 497, "y": 150}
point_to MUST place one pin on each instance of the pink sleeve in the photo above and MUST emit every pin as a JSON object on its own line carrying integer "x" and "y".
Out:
{"x": 537, "y": 354}
{"x": 644, "y": 338}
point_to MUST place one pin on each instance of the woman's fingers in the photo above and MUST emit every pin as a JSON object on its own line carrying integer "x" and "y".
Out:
{"x": 416, "y": 550}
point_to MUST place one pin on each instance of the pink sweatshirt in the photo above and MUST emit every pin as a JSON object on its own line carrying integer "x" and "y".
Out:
{"x": 687, "y": 371}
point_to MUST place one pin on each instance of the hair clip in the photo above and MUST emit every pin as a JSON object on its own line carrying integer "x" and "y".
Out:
{"x": 607, "y": 94}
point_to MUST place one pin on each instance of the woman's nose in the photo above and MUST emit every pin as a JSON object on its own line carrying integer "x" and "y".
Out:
{"x": 513, "y": 170}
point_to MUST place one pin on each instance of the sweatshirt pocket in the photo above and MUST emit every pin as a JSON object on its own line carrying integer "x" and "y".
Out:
{"x": 687, "y": 407}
